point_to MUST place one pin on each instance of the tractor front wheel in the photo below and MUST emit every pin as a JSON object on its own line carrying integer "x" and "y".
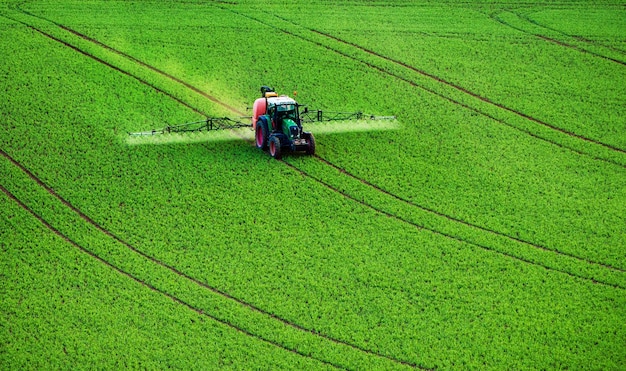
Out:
{"x": 275, "y": 149}
{"x": 261, "y": 135}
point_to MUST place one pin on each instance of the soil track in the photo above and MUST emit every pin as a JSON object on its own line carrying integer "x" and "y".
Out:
{"x": 577, "y": 37}
{"x": 125, "y": 55}
{"x": 154, "y": 288}
{"x": 461, "y": 221}
{"x": 450, "y": 236}
{"x": 152, "y": 68}
{"x": 126, "y": 73}
{"x": 364, "y": 181}
{"x": 495, "y": 17}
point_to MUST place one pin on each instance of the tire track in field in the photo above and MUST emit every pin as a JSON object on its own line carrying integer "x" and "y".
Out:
{"x": 466, "y": 223}
{"x": 342, "y": 170}
{"x": 204, "y": 285}
{"x": 135, "y": 60}
{"x": 439, "y": 80}
{"x": 447, "y": 235}
{"x": 99, "y": 60}
{"x": 171, "y": 268}
{"x": 577, "y": 37}
{"x": 495, "y": 16}
{"x": 154, "y": 288}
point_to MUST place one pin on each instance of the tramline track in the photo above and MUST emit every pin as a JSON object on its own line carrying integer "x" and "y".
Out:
{"x": 457, "y": 220}
{"x": 577, "y": 37}
{"x": 498, "y": 19}
{"x": 447, "y": 235}
{"x": 344, "y": 171}
{"x": 125, "y": 55}
{"x": 174, "y": 298}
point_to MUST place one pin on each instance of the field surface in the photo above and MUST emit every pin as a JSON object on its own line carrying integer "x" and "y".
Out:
{"x": 485, "y": 230}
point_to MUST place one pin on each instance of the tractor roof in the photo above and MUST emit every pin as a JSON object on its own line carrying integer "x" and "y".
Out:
{"x": 283, "y": 99}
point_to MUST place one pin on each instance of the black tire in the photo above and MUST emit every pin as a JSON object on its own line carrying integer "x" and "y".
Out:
{"x": 310, "y": 147}
{"x": 260, "y": 134}
{"x": 275, "y": 147}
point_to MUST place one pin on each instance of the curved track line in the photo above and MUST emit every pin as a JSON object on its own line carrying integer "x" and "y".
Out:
{"x": 342, "y": 170}
{"x": 123, "y": 72}
{"x": 154, "y": 288}
{"x": 466, "y": 223}
{"x": 171, "y": 268}
{"x": 458, "y": 239}
{"x": 577, "y": 37}
{"x": 364, "y": 181}
{"x": 459, "y": 88}
{"x": 152, "y": 68}
{"x": 496, "y": 18}
{"x": 527, "y": 18}
{"x": 204, "y": 285}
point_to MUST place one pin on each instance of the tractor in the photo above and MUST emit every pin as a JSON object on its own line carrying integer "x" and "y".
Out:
{"x": 277, "y": 125}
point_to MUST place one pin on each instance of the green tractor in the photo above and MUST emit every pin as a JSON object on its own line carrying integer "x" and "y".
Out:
{"x": 277, "y": 125}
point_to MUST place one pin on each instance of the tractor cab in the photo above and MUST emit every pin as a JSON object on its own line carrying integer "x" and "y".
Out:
{"x": 285, "y": 117}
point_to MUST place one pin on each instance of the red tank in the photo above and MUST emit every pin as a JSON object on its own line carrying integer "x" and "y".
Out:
{"x": 258, "y": 109}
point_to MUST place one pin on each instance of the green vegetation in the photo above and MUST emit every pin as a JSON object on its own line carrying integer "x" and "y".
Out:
{"x": 487, "y": 231}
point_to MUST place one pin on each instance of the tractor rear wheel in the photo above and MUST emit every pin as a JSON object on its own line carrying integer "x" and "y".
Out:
{"x": 261, "y": 135}
{"x": 310, "y": 145}
{"x": 275, "y": 149}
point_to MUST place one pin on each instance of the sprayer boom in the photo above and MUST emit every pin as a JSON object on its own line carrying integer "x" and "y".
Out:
{"x": 276, "y": 122}
{"x": 211, "y": 123}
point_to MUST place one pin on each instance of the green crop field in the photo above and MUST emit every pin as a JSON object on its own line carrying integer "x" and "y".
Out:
{"x": 484, "y": 229}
